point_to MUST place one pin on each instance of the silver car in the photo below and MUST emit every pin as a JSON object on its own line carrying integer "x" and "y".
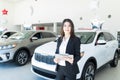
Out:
{"x": 20, "y": 46}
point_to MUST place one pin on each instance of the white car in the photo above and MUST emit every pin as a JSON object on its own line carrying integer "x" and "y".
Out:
{"x": 97, "y": 48}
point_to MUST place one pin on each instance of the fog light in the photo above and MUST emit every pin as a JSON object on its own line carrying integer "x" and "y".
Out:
{"x": 7, "y": 55}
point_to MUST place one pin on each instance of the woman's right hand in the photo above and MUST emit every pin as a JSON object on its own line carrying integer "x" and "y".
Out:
{"x": 56, "y": 60}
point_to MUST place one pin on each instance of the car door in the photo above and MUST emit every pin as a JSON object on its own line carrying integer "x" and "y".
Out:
{"x": 35, "y": 41}
{"x": 111, "y": 44}
{"x": 38, "y": 39}
{"x": 101, "y": 50}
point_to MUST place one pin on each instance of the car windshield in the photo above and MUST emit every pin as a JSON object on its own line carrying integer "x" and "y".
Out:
{"x": 20, "y": 35}
{"x": 86, "y": 37}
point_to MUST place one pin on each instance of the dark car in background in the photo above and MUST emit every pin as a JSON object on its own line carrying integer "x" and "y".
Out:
{"x": 118, "y": 38}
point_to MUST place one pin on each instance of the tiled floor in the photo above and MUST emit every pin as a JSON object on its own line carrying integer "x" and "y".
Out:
{"x": 9, "y": 71}
{"x": 108, "y": 73}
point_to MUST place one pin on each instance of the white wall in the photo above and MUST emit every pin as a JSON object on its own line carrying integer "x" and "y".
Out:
{"x": 57, "y": 10}
{"x": 6, "y": 20}
{"x": 110, "y": 7}
{"x": 49, "y": 10}
{"x": 45, "y": 11}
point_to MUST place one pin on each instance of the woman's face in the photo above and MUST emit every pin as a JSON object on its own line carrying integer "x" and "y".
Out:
{"x": 67, "y": 28}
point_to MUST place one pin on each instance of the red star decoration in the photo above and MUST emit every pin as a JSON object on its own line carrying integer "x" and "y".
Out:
{"x": 4, "y": 12}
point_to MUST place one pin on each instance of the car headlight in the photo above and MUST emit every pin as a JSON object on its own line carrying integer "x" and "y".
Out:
{"x": 10, "y": 46}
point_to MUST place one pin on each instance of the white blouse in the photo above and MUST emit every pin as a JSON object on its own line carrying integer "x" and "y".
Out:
{"x": 62, "y": 50}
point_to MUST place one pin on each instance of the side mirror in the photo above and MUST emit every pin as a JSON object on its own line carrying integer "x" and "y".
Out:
{"x": 34, "y": 38}
{"x": 5, "y": 36}
{"x": 101, "y": 42}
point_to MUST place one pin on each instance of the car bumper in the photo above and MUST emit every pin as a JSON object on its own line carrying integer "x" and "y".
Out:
{"x": 42, "y": 69}
{"x": 49, "y": 75}
{"x": 6, "y": 55}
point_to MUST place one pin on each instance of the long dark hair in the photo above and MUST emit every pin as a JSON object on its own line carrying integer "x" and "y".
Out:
{"x": 72, "y": 28}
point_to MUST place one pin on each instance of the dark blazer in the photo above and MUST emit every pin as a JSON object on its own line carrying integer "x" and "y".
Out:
{"x": 73, "y": 48}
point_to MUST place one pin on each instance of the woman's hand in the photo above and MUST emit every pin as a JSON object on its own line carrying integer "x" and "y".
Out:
{"x": 69, "y": 59}
{"x": 56, "y": 60}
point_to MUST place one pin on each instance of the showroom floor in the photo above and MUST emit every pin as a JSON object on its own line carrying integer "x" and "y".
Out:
{"x": 9, "y": 71}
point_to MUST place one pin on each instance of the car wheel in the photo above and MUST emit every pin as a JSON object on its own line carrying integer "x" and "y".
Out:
{"x": 114, "y": 62}
{"x": 21, "y": 57}
{"x": 88, "y": 72}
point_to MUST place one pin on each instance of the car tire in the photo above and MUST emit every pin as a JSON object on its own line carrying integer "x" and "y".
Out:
{"x": 21, "y": 57}
{"x": 88, "y": 71}
{"x": 114, "y": 62}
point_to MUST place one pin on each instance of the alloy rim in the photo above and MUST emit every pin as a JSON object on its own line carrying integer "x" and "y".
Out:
{"x": 89, "y": 75}
{"x": 22, "y": 58}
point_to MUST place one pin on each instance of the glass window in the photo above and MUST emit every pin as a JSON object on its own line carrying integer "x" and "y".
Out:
{"x": 47, "y": 35}
{"x": 38, "y": 35}
{"x": 21, "y": 35}
{"x": 118, "y": 38}
{"x": 86, "y": 37}
{"x": 52, "y": 35}
{"x": 101, "y": 37}
{"x": 9, "y": 33}
{"x": 108, "y": 36}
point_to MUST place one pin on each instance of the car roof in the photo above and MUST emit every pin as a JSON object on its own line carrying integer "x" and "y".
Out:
{"x": 7, "y": 31}
{"x": 35, "y": 31}
{"x": 10, "y": 31}
{"x": 91, "y": 30}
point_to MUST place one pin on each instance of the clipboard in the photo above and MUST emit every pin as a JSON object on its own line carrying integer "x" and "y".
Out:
{"x": 60, "y": 56}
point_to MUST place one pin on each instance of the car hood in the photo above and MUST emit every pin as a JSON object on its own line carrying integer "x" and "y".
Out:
{"x": 50, "y": 48}
{"x": 47, "y": 49}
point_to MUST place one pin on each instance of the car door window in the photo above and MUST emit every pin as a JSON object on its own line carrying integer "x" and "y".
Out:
{"x": 108, "y": 36}
{"x": 47, "y": 35}
{"x": 37, "y": 35}
{"x": 101, "y": 36}
{"x": 8, "y": 34}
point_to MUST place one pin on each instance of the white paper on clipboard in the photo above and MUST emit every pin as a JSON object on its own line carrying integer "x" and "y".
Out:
{"x": 60, "y": 56}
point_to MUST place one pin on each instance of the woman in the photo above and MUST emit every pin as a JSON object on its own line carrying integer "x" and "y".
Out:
{"x": 68, "y": 43}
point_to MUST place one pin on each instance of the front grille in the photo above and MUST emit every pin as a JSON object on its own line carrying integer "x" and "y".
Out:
{"x": 44, "y": 58}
